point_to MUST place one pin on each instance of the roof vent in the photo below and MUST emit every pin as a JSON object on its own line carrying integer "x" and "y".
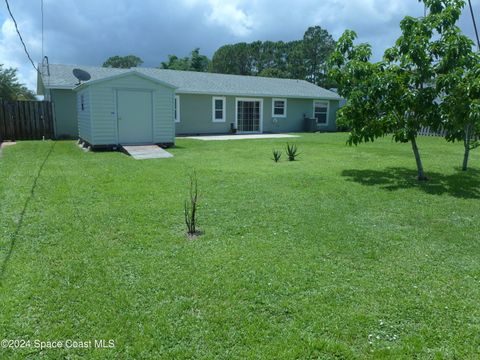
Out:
{"x": 81, "y": 75}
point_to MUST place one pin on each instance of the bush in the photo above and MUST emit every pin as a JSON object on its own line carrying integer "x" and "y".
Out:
{"x": 277, "y": 154}
{"x": 292, "y": 152}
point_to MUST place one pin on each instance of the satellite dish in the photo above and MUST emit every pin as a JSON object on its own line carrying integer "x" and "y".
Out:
{"x": 81, "y": 75}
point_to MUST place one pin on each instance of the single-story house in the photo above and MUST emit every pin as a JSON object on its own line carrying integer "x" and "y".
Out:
{"x": 147, "y": 105}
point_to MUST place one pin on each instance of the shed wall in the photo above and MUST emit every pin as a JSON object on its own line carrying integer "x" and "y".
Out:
{"x": 104, "y": 109}
{"x": 84, "y": 115}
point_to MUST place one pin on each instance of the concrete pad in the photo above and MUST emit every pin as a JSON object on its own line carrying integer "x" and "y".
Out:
{"x": 142, "y": 152}
{"x": 5, "y": 144}
{"x": 241, "y": 137}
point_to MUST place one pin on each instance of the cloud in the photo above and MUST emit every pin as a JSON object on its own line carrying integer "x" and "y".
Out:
{"x": 89, "y": 31}
{"x": 230, "y": 16}
{"x": 13, "y": 54}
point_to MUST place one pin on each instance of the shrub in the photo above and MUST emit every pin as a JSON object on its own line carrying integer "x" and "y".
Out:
{"x": 191, "y": 206}
{"x": 292, "y": 152}
{"x": 277, "y": 154}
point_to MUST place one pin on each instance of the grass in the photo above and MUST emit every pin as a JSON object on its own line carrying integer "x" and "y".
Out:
{"x": 340, "y": 255}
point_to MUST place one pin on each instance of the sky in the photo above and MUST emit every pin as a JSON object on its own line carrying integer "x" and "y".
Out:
{"x": 87, "y": 32}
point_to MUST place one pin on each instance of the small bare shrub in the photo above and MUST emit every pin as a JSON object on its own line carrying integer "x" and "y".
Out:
{"x": 191, "y": 206}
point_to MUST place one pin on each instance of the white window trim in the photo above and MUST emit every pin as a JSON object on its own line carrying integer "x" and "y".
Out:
{"x": 284, "y": 108}
{"x": 260, "y": 100}
{"x": 177, "y": 100}
{"x": 224, "y": 102}
{"x": 328, "y": 110}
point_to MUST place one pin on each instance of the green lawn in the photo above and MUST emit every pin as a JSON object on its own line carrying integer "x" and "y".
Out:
{"x": 341, "y": 254}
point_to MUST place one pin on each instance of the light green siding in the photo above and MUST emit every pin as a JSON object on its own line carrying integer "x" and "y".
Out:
{"x": 65, "y": 105}
{"x": 103, "y": 96}
{"x": 196, "y": 115}
{"x": 84, "y": 115}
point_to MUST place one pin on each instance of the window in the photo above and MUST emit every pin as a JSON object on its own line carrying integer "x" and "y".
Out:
{"x": 218, "y": 109}
{"x": 82, "y": 102}
{"x": 279, "y": 107}
{"x": 320, "y": 111}
{"x": 177, "y": 108}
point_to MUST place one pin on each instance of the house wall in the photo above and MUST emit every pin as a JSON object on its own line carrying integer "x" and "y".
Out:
{"x": 84, "y": 115}
{"x": 104, "y": 109}
{"x": 65, "y": 105}
{"x": 196, "y": 115}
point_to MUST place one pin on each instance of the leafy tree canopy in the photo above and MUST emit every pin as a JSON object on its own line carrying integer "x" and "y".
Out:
{"x": 300, "y": 59}
{"x": 123, "y": 62}
{"x": 10, "y": 87}
{"x": 398, "y": 95}
{"x": 194, "y": 62}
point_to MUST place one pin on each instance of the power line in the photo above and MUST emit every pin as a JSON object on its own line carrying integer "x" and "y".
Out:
{"x": 20, "y": 35}
{"x": 474, "y": 24}
{"x": 41, "y": 7}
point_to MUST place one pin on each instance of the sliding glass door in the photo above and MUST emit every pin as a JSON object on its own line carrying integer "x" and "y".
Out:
{"x": 249, "y": 115}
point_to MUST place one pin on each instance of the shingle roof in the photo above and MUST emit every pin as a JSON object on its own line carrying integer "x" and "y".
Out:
{"x": 196, "y": 82}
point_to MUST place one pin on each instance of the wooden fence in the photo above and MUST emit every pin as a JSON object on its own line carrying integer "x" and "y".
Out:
{"x": 26, "y": 120}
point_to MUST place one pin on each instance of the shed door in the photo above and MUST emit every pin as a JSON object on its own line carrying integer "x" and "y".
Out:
{"x": 134, "y": 114}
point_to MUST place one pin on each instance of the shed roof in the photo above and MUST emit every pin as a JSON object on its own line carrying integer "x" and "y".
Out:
{"x": 190, "y": 82}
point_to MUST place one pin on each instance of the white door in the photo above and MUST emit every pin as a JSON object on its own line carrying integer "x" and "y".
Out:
{"x": 134, "y": 114}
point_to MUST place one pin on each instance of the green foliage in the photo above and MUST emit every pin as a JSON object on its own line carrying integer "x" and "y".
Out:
{"x": 277, "y": 154}
{"x": 458, "y": 82}
{"x": 292, "y": 152}
{"x": 234, "y": 59}
{"x": 123, "y": 62}
{"x": 10, "y": 88}
{"x": 194, "y": 62}
{"x": 300, "y": 59}
{"x": 191, "y": 206}
{"x": 318, "y": 45}
{"x": 398, "y": 95}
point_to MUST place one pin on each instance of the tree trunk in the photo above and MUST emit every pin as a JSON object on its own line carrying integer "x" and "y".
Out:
{"x": 466, "y": 144}
{"x": 421, "y": 175}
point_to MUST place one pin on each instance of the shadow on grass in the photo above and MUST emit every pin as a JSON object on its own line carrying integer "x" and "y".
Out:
{"x": 461, "y": 184}
{"x": 13, "y": 239}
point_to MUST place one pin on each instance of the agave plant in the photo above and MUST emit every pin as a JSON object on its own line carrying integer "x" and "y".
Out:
{"x": 292, "y": 152}
{"x": 277, "y": 154}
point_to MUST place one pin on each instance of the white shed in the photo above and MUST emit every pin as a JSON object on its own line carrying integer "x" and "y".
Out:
{"x": 130, "y": 108}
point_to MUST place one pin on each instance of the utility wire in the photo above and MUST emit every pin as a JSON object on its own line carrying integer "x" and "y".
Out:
{"x": 474, "y": 24}
{"x": 41, "y": 7}
{"x": 20, "y": 35}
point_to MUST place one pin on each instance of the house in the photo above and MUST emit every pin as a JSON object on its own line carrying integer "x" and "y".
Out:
{"x": 147, "y": 105}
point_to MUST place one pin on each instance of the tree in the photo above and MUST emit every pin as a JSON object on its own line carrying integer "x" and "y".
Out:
{"x": 318, "y": 45}
{"x": 233, "y": 59}
{"x": 394, "y": 96}
{"x": 123, "y": 62}
{"x": 295, "y": 60}
{"x": 400, "y": 95}
{"x": 274, "y": 73}
{"x": 199, "y": 62}
{"x": 194, "y": 62}
{"x": 175, "y": 63}
{"x": 300, "y": 59}
{"x": 460, "y": 107}
{"x": 458, "y": 81}
{"x": 11, "y": 88}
